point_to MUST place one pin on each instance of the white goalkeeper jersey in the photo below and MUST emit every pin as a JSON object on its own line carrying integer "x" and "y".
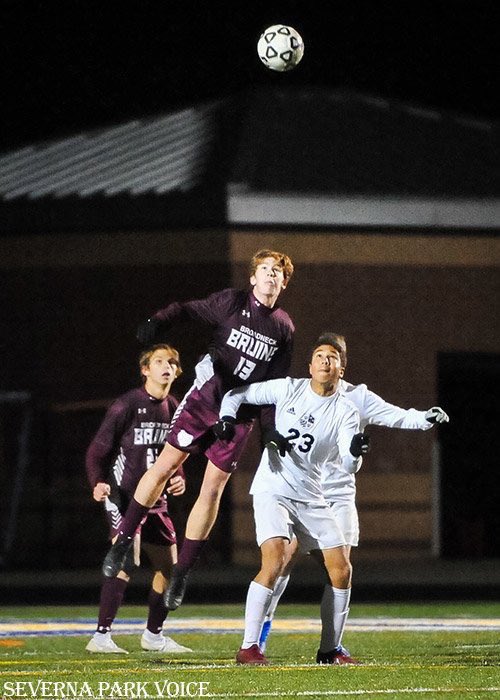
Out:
{"x": 320, "y": 427}
{"x": 373, "y": 410}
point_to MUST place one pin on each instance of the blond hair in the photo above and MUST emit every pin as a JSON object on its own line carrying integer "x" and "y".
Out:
{"x": 146, "y": 355}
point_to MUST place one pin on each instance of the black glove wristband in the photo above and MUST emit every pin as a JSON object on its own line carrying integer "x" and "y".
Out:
{"x": 224, "y": 429}
{"x": 360, "y": 445}
{"x": 273, "y": 438}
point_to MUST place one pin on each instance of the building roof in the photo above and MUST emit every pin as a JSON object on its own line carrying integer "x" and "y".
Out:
{"x": 157, "y": 155}
{"x": 323, "y": 157}
{"x": 303, "y": 156}
{"x": 324, "y": 141}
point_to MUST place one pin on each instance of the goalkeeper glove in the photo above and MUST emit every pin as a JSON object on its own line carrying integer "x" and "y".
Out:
{"x": 224, "y": 428}
{"x": 360, "y": 444}
{"x": 273, "y": 438}
{"x": 147, "y": 331}
{"x": 436, "y": 415}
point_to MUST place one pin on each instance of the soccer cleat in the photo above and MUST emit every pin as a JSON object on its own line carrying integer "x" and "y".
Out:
{"x": 158, "y": 642}
{"x": 129, "y": 565}
{"x": 103, "y": 644}
{"x": 338, "y": 657}
{"x": 174, "y": 595}
{"x": 251, "y": 656}
{"x": 116, "y": 558}
{"x": 264, "y": 634}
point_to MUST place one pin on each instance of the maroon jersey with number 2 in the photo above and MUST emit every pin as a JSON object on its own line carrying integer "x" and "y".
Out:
{"x": 250, "y": 343}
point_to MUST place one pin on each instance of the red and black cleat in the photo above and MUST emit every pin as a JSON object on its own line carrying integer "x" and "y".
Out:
{"x": 251, "y": 656}
{"x": 338, "y": 657}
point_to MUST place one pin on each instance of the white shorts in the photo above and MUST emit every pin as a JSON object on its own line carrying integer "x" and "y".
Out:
{"x": 346, "y": 515}
{"x": 315, "y": 526}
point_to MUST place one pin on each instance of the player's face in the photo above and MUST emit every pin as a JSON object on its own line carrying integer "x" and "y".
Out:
{"x": 268, "y": 280}
{"x": 162, "y": 368}
{"x": 325, "y": 367}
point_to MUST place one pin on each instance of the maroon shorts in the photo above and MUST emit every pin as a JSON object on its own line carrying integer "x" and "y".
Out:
{"x": 158, "y": 528}
{"x": 155, "y": 528}
{"x": 191, "y": 430}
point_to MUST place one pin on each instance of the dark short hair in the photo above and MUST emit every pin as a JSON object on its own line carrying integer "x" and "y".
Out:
{"x": 336, "y": 340}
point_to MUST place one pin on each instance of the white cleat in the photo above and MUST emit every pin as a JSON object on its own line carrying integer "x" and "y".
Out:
{"x": 103, "y": 644}
{"x": 158, "y": 642}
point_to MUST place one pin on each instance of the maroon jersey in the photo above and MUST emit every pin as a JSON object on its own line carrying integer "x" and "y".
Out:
{"x": 250, "y": 341}
{"x": 129, "y": 439}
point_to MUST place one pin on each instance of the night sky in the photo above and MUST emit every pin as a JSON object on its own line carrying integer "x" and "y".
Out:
{"x": 79, "y": 64}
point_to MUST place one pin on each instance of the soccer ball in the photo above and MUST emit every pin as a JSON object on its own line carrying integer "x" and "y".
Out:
{"x": 280, "y": 47}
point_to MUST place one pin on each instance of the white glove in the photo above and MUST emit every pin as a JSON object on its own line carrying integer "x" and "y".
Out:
{"x": 436, "y": 415}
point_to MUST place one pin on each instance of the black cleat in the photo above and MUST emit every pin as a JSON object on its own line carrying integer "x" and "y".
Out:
{"x": 337, "y": 657}
{"x": 117, "y": 557}
{"x": 174, "y": 595}
{"x": 129, "y": 565}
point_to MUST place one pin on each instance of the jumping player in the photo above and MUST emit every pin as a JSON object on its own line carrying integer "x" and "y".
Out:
{"x": 338, "y": 486}
{"x": 252, "y": 341}
{"x": 315, "y": 424}
{"x": 127, "y": 443}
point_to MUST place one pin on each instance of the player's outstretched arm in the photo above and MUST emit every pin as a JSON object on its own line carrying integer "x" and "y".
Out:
{"x": 376, "y": 411}
{"x": 210, "y": 310}
{"x": 436, "y": 415}
{"x": 257, "y": 394}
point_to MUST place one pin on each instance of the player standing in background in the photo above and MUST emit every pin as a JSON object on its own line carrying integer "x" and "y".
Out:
{"x": 339, "y": 486}
{"x": 127, "y": 443}
{"x": 315, "y": 425}
{"x": 252, "y": 341}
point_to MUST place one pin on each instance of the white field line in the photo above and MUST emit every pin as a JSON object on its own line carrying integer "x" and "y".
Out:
{"x": 47, "y": 627}
{"x": 354, "y": 693}
{"x": 176, "y": 665}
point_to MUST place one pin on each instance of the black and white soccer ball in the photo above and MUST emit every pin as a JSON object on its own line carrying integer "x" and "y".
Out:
{"x": 280, "y": 47}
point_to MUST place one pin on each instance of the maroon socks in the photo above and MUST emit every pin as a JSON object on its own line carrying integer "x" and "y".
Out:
{"x": 132, "y": 519}
{"x": 157, "y": 612}
{"x": 112, "y": 591}
{"x": 189, "y": 554}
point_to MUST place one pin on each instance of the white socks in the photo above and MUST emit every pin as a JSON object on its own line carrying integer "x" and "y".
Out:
{"x": 258, "y": 599}
{"x": 261, "y": 604}
{"x": 334, "y": 612}
{"x": 278, "y": 590}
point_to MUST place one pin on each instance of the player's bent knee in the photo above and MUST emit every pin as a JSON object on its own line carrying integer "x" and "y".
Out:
{"x": 160, "y": 472}
{"x": 274, "y": 557}
{"x": 343, "y": 575}
{"x": 168, "y": 461}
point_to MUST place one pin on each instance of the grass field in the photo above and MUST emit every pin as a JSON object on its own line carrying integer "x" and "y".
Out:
{"x": 427, "y": 651}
